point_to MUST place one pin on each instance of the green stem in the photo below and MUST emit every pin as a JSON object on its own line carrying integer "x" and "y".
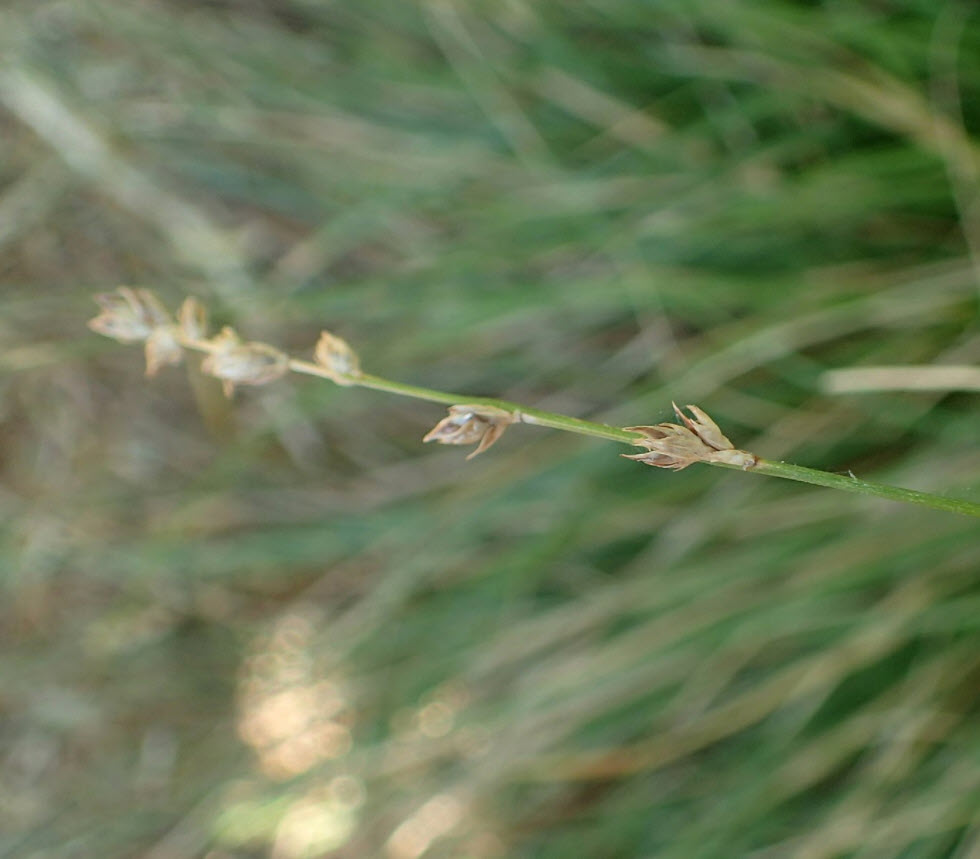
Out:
{"x": 539, "y": 417}
{"x": 763, "y": 466}
{"x": 861, "y": 487}
{"x": 528, "y": 415}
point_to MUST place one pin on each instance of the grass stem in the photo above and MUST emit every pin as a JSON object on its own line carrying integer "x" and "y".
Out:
{"x": 539, "y": 417}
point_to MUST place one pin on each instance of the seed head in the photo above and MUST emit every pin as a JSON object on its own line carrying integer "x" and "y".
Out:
{"x": 337, "y": 358}
{"x": 698, "y": 439}
{"x": 237, "y": 363}
{"x": 480, "y": 425}
{"x": 129, "y": 315}
{"x": 162, "y": 348}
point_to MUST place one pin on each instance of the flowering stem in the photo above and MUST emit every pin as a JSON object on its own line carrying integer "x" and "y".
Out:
{"x": 582, "y": 427}
{"x": 539, "y": 417}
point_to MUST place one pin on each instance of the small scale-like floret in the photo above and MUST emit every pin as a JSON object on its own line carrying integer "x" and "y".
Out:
{"x": 238, "y": 363}
{"x": 677, "y": 446}
{"x": 129, "y": 315}
{"x": 335, "y": 356}
{"x": 472, "y": 424}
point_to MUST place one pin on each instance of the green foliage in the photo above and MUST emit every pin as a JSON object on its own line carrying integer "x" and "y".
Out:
{"x": 280, "y": 626}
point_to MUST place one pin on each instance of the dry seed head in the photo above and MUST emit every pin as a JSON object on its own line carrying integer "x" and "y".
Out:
{"x": 237, "y": 363}
{"x": 337, "y": 358}
{"x": 698, "y": 440}
{"x": 472, "y": 424}
{"x": 162, "y": 347}
{"x": 129, "y": 315}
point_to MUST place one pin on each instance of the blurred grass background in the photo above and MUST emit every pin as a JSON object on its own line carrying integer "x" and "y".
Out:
{"x": 281, "y": 627}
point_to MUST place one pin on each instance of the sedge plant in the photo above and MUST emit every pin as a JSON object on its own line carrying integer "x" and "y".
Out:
{"x": 137, "y": 315}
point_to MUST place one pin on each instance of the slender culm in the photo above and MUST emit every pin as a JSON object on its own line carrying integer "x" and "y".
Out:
{"x": 137, "y": 315}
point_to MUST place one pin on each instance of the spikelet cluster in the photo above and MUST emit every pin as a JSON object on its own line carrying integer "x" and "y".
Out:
{"x": 137, "y": 315}
{"x": 695, "y": 439}
{"x": 473, "y": 424}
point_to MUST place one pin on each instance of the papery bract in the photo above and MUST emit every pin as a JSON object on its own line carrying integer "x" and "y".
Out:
{"x": 676, "y": 446}
{"x": 472, "y": 424}
{"x": 238, "y": 363}
{"x": 335, "y": 356}
{"x": 129, "y": 315}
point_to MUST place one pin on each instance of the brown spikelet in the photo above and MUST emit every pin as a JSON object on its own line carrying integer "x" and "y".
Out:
{"x": 129, "y": 315}
{"x": 335, "y": 356}
{"x": 696, "y": 439}
{"x": 238, "y": 363}
{"x": 472, "y": 424}
{"x": 162, "y": 348}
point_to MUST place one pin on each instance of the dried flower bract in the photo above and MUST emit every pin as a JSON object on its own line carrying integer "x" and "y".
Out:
{"x": 335, "y": 356}
{"x": 162, "y": 347}
{"x": 129, "y": 315}
{"x": 480, "y": 425}
{"x": 237, "y": 363}
{"x": 697, "y": 439}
